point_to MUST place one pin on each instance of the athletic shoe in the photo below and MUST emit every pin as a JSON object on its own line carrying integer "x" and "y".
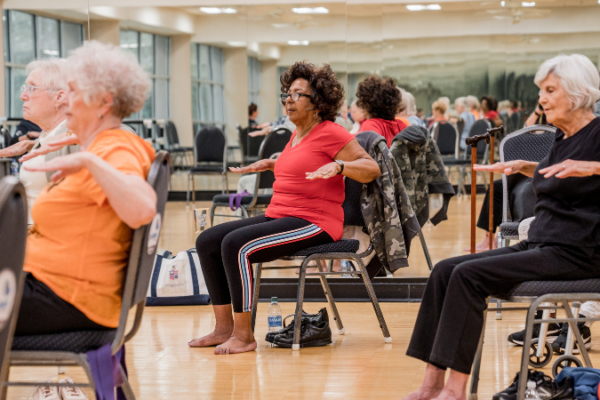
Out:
{"x": 71, "y": 392}
{"x": 559, "y": 344}
{"x": 46, "y": 393}
{"x": 315, "y": 318}
{"x": 544, "y": 385}
{"x": 519, "y": 337}
{"x": 311, "y": 335}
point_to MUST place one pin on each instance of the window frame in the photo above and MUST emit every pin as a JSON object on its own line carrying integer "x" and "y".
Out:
{"x": 213, "y": 82}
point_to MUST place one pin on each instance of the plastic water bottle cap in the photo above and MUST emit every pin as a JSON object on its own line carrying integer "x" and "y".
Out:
{"x": 531, "y": 385}
{"x": 273, "y": 299}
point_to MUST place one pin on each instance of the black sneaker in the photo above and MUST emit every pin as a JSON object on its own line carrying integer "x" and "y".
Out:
{"x": 519, "y": 337}
{"x": 559, "y": 343}
{"x": 545, "y": 386}
{"x": 316, "y": 318}
{"x": 311, "y": 335}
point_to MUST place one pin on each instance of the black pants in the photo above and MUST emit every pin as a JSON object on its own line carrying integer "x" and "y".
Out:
{"x": 227, "y": 251}
{"x": 450, "y": 319}
{"x": 42, "y": 311}
{"x": 484, "y": 215}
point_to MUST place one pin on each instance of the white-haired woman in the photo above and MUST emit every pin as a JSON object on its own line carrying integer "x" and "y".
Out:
{"x": 77, "y": 248}
{"x": 564, "y": 239}
{"x": 411, "y": 109}
{"x": 474, "y": 106}
{"x": 44, "y": 103}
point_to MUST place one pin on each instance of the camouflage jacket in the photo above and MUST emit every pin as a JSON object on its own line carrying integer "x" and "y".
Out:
{"x": 422, "y": 171}
{"x": 390, "y": 220}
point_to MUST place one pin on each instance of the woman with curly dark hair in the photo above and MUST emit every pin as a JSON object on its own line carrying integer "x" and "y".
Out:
{"x": 380, "y": 98}
{"x": 305, "y": 210}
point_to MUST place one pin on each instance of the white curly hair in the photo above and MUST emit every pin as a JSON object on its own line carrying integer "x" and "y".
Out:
{"x": 98, "y": 68}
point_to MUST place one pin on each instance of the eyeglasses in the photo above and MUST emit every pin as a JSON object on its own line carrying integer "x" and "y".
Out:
{"x": 31, "y": 89}
{"x": 293, "y": 96}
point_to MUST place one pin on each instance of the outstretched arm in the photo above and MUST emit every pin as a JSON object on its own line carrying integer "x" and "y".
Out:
{"x": 571, "y": 168}
{"x": 358, "y": 165}
{"x": 17, "y": 149}
{"x": 526, "y": 168}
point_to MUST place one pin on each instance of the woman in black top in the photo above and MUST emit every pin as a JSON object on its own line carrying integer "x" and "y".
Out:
{"x": 564, "y": 238}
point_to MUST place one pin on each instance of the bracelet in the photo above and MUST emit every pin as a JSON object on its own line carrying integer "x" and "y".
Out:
{"x": 341, "y": 164}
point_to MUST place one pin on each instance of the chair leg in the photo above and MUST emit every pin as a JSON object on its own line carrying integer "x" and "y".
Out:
{"x": 526, "y": 346}
{"x": 187, "y": 193}
{"x": 460, "y": 181}
{"x": 299, "y": 303}
{"x": 127, "y": 391}
{"x": 330, "y": 300}
{"x": 257, "y": 276}
{"x": 367, "y": 281}
{"x": 244, "y": 212}
{"x": 193, "y": 190}
{"x": 477, "y": 362}
{"x": 425, "y": 250}
{"x": 498, "y": 307}
{"x": 212, "y": 214}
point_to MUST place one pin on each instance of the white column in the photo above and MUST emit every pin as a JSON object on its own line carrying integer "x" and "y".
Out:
{"x": 268, "y": 90}
{"x": 235, "y": 71}
{"x": 105, "y": 31}
{"x": 181, "y": 88}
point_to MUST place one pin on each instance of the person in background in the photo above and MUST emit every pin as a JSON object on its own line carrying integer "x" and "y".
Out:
{"x": 380, "y": 99}
{"x": 438, "y": 112}
{"x": 474, "y": 106}
{"x": 446, "y": 101}
{"x": 402, "y": 114}
{"x": 305, "y": 210}
{"x": 462, "y": 108}
{"x": 411, "y": 109}
{"x": 26, "y": 130}
{"x": 489, "y": 106}
{"x": 342, "y": 118}
{"x": 358, "y": 116}
{"x": 420, "y": 114}
{"x": 283, "y": 122}
{"x": 252, "y": 116}
{"x": 537, "y": 117}
{"x": 504, "y": 108}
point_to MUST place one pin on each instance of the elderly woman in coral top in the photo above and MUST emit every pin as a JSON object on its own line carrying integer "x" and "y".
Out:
{"x": 306, "y": 208}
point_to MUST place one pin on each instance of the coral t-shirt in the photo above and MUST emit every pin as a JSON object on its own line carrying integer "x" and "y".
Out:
{"x": 78, "y": 245}
{"x": 318, "y": 201}
{"x": 387, "y": 129}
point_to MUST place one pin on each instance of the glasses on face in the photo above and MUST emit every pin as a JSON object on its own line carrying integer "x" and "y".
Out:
{"x": 31, "y": 89}
{"x": 292, "y": 96}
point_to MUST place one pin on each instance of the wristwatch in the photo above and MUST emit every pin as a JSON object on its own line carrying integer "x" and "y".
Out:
{"x": 341, "y": 164}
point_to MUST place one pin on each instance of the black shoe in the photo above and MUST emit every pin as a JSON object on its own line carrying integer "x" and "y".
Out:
{"x": 311, "y": 335}
{"x": 316, "y": 318}
{"x": 545, "y": 386}
{"x": 559, "y": 344}
{"x": 519, "y": 337}
{"x": 566, "y": 391}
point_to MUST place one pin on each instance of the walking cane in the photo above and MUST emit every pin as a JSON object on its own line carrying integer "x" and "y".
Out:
{"x": 488, "y": 136}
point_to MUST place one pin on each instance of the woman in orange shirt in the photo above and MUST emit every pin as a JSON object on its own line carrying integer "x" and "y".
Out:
{"x": 78, "y": 247}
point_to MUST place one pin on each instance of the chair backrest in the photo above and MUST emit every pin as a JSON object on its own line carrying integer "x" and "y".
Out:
{"x": 446, "y": 137}
{"x": 515, "y": 120}
{"x": 210, "y": 145}
{"x": 13, "y": 234}
{"x": 172, "y": 136}
{"x": 532, "y": 143}
{"x": 5, "y": 138}
{"x": 479, "y": 128}
{"x": 274, "y": 142}
{"x": 352, "y": 210}
{"x": 143, "y": 251}
{"x": 243, "y": 136}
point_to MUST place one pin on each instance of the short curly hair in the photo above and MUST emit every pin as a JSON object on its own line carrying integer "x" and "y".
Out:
{"x": 379, "y": 97}
{"x": 327, "y": 93}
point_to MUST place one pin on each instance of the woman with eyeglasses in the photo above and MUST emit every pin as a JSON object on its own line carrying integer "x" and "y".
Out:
{"x": 44, "y": 104}
{"x": 305, "y": 210}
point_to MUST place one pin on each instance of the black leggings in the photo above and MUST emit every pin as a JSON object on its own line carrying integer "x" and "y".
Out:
{"x": 42, "y": 312}
{"x": 450, "y": 319}
{"x": 227, "y": 252}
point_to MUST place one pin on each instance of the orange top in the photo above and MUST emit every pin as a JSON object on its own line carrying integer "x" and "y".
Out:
{"x": 78, "y": 245}
{"x": 475, "y": 114}
{"x": 405, "y": 120}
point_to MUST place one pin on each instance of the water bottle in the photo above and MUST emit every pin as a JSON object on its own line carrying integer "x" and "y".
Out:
{"x": 14, "y": 168}
{"x": 275, "y": 321}
{"x": 346, "y": 267}
{"x": 531, "y": 393}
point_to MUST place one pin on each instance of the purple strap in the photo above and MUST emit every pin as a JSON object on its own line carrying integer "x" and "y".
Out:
{"x": 235, "y": 200}
{"x": 106, "y": 371}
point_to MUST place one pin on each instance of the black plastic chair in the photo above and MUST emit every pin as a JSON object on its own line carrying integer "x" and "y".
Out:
{"x": 273, "y": 144}
{"x": 344, "y": 249}
{"x": 447, "y": 138}
{"x": 181, "y": 157}
{"x": 69, "y": 349}
{"x": 13, "y": 228}
{"x": 210, "y": 155}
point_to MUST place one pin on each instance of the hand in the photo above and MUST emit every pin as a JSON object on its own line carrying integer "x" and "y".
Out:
{"x": 259, "y": 166}
{"x": 325, "y": 172}
{"x": 33, "y": 134}
{"x": 263, "y": 125}
{"x": 570, "y": 168}
{"x": 49, "y": 147}
{"x": 262, "y": 132}
{"x": 65, "y": 166}
{"x": 17, "y": 149}
{"x": 508, "y": 168}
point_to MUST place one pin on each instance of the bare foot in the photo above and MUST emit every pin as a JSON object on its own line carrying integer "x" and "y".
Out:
{"x": 212, "y": 339}
{"x": 484, "y": 245}
{"x": 235, "y": 345}
{"x": 424, "y": 394}
{"x": 447, "y": 394}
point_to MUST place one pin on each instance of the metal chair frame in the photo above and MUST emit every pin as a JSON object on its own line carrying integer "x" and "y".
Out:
{"x": 131, "y": 287}
{"x": 191, "y": 174}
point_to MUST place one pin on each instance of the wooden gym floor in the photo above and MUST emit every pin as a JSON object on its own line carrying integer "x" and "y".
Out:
{"x": 357, "y": 365}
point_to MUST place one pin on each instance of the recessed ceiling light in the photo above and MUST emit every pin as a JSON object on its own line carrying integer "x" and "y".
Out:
{"x": 528, "y": 4}
{"x": 237, "y": 44}
{"x": 423, "y": 7}
{"x": 309, "y": 10}
{"x": 503, "y": 3}
{"x": 298, "y": 42}
{"x": 217, "y": 10}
